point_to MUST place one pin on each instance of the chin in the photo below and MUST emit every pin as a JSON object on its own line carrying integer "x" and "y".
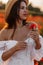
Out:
{"x": 24, "y": 18}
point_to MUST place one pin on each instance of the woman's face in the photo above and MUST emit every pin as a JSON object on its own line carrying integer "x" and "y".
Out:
{"x": 23, "y": 12}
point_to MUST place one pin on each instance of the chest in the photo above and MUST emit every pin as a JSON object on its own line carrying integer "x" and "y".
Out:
{"x": 20, "y": 34}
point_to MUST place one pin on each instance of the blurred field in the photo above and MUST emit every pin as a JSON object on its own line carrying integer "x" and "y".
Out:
{"x": 2, "y": 21}
{"x": 37, "y": 19}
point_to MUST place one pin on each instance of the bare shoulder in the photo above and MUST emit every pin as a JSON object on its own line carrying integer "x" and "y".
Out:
{"x": 5, "y": 34}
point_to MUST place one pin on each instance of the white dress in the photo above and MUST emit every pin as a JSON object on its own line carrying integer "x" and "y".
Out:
{"x": 22, "y": 57}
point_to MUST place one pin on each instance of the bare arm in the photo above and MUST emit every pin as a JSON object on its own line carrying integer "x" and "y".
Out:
{"x": 37, "y": 41}
{"x": 20, "y": 46}
{"x": 38, "y": 45}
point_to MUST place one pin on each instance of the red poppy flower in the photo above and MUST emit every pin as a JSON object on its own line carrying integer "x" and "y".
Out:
{"x": 33, "y": 26}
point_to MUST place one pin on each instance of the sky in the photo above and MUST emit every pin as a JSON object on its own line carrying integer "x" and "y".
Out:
{"x": 35, "y": 3}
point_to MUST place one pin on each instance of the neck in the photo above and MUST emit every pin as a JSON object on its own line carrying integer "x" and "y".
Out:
{"x": 19, "y": 23}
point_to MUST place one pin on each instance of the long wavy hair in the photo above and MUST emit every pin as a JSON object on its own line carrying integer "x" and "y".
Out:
{"x": 13, "y": 16}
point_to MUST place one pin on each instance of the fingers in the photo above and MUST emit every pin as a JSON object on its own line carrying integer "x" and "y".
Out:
{"x": 33, "y": 35}
{"x": 21, "y": 45}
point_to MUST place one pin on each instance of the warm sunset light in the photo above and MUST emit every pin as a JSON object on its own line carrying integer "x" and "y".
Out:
{"x": 4, "y": 1}
{"x": 37, "y": 3}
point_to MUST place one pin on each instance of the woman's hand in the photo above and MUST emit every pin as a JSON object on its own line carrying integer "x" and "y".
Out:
{"x": 35, "y": 35}
{"x": 21, "y": 46}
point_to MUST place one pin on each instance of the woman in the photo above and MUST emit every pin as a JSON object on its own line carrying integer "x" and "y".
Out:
{"x": 15, "y": 16}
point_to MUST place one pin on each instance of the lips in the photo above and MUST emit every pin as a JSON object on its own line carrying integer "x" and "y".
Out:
{"x": 25, "y": 14}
